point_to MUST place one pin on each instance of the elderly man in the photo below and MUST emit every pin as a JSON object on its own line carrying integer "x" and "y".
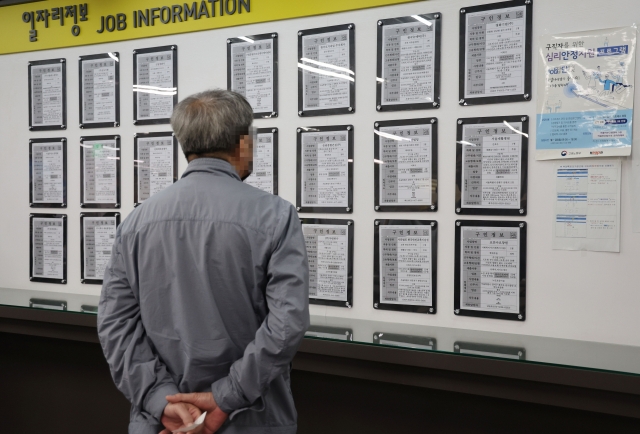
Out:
{"x": 207, "y": 288}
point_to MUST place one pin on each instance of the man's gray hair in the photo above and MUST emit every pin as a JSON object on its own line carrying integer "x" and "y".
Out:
{"x": 211, "y": 121}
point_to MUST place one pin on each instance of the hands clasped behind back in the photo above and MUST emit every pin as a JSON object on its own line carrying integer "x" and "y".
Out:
{"x": 183, "y": 408}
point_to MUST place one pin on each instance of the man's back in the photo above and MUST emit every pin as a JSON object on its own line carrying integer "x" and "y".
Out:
{"x": 206, "y": 261}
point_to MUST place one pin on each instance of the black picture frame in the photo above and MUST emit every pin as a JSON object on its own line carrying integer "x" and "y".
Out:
{"x": 63, "y": 204}
{"x": 313, "y": 330}
{"x": 351, "y": 28}
{"x": 44, "y": 303}
{"x": 377, "y": 303}
{"x": 406, "y": 341}
{"x": 524, "y": 165}
{"x": 274, "y": 131}
{"x": 324, "y": 209}
{"x": 433, "y": 122}
{"x": 436, "y": 18}
{"x": 63, "y": 126}
{"x": 139, "y": 51}
{"x": 136, "y": 168}
{"x": 33, "y": 278}
{"x": 83, "y": 204}
{"x": 458, "y": 310}
{"x": 332, "y": 222}
{"x": 116, "y": 123}
{"x": 262, "y": 37}
{"x": 82, "y": 241}
{"x": 526, "y": 95}
{"x": 500, "y": 351}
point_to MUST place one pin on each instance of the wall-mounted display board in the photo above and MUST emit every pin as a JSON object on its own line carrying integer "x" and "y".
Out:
{"x": 100, "y": 172}
{"x": 48, "y": 248}
{"x": 99, "y": 77}
{"x": 330, "y": 251}
{"x": 326, "y": 332}
{"x": 325, "y": 169}
{"x": 265, "y": 161}
{"x": 48, "y": 173}
{"x": 405, "y": 341}
{"x": 406, "y": 165}
{"x": 491, "y": 165}
{"x": 97, "y": 235}
{"x": 490, "y": 269}
{"x": 408, "y": 68}
{"x": 495, "y": 52}
{"x": 48, "y": 95}
{"x": 405, "y": 265}
{"x": 155, "y": 164}
{"x": 155, "y": 84}
{"x": 485, "y": 350}
{"x": 252, "y": 71}
{"x": 327, "y": 71}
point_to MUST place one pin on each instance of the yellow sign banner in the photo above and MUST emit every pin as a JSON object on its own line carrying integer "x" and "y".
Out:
{"x": 52, "y": 24}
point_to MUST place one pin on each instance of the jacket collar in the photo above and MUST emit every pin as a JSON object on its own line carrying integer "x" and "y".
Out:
{"x": 211, "y": 165}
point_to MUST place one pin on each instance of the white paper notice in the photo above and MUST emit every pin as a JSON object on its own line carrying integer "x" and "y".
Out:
{"x": 48, "y": 248}
{"x": 325, "y": 169}
{"x": 491, "y": 166}
{"x": 490, "y": 271}
{"x": 328, "y": 253}
{"x": 98, "y": 90}
{"x": 262, "y": 176}
{"x": 154, "y": 164}
{"x": 46, "y": 95}
{"x": 406, "y": 165}
{"x": 587, "y": 213}
{"x": 155, "y": 70}
{"x": 98, "y": 237}
{"x": 100, "y": 171}
{"x": 495, "y": 52}
{"x": 252, "y": 74}
{"x": 408, "y": 63}
{"x": 48, "y": 173}
{"x": 405, "y": 265}
{"x": 329, "y": 52}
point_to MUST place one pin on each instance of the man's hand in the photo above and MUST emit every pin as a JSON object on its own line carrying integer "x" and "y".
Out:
{"x": 178, "y": 415}
{"x": 205, "y": 402}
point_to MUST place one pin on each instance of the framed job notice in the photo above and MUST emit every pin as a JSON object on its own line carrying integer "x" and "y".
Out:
{"x": 406, "y": 165}
{"x": 495, "y": 52}
{"x": 48, "y": 173}
{"x": 252, "y": 71}
{"x": 48, "y": 95}
{"x": 408, "y": 63}
{"x": 330, "y": 251}
{"x": 155, "y": 164}
{"x": 265, "y": 161}
{"x": 48, "y": 248}
{"x": 325, "y": 169}
{"x": 490, "y": 269}
{"x": 99, "y": 77}
{"x": 491, "y": 165}
{"x": 405, "y": 264}
{"x": 327, "y": 71}
{"x": 97, "y": 235}
{"x": 100, "y": 172}
{"x": 155, "y": 84}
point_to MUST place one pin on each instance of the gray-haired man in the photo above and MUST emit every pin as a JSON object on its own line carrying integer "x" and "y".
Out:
{"x": 207, "y": 288}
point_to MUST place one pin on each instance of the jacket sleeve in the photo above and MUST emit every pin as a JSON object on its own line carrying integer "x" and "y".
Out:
{"x": 136, "y": 369}
{"x": 276, "y": 341}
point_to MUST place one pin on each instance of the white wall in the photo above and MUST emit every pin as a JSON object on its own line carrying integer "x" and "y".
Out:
{"x": 576, "y": 295}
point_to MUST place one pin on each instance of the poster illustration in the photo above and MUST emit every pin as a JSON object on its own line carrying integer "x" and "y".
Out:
{"x": 585, "y": 101}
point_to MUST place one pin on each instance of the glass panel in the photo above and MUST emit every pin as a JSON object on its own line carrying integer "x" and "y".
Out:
{"x": 48, "y": 300}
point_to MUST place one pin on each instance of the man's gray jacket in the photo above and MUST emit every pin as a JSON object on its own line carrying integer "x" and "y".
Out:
{"x": 207, "y": 290}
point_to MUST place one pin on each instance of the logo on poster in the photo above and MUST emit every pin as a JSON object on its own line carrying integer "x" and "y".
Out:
{"x": 563, "y": 153}
{"x": 596, "y": 152}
